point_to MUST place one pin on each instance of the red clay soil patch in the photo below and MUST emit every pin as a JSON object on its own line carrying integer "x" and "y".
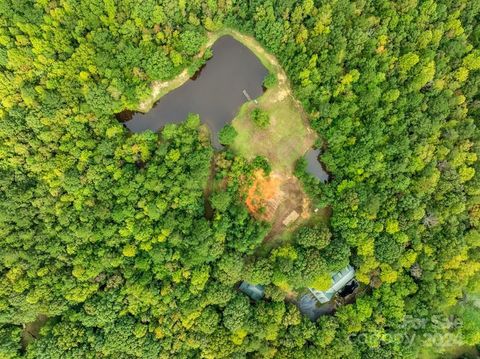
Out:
{"x": 263, "y": 194}
{"x": 273, "y": 198}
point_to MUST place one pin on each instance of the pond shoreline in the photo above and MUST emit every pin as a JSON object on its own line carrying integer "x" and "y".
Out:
{"x": 161, "y": 88}
{"x": 215, "y": 92}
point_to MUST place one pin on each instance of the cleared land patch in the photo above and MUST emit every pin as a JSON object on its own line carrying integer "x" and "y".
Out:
{"x": 276, "y": 198}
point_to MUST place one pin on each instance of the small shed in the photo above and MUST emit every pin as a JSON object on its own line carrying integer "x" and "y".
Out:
{"x": 292, "y": 217}
{"x": 339, "y": 280}
{"x": 255, "y": 292}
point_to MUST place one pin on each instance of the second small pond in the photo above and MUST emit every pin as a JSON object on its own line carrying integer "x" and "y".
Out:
{"x": 216, "y": 93}
{"x": 314, "y": 165}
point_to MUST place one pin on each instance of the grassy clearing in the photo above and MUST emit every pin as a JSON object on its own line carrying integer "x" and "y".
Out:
{"x": 284, "y": 141}
{"x": 288, "y": 136}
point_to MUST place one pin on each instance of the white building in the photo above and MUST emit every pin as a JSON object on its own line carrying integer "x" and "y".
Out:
{"x": 339, "y": 280}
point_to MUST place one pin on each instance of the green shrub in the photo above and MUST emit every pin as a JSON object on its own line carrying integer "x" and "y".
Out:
{"x": 227, "y": 135}
{"x": 270, "y": 80}
{"x": 262, "y": 162}
{"x": 260, "y": 118}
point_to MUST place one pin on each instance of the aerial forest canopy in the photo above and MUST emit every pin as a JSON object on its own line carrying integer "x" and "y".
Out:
{"x": 129, "y": 245}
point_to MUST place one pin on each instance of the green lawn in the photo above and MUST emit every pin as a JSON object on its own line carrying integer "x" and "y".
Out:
{"x": 285, "y": 140}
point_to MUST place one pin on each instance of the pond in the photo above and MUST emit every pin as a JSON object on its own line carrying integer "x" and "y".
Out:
{"x": 314, "y": 167}
{"x": 215, "y": 94}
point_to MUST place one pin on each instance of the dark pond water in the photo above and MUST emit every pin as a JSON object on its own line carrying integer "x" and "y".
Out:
{"x": 314, "y": 166}
{"x": 216, "y": 93}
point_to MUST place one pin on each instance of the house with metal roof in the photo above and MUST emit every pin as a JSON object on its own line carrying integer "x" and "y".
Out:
{"x": 255, "y": 292}
{"x": 339, "y": 280}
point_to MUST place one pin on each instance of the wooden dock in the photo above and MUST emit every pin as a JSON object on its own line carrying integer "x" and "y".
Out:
{"x": 245, "y": 93}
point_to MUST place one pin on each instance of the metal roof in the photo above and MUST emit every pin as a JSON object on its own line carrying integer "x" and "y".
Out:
{"x": 339, "y": 280}
{"x": 253, "y": 291}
